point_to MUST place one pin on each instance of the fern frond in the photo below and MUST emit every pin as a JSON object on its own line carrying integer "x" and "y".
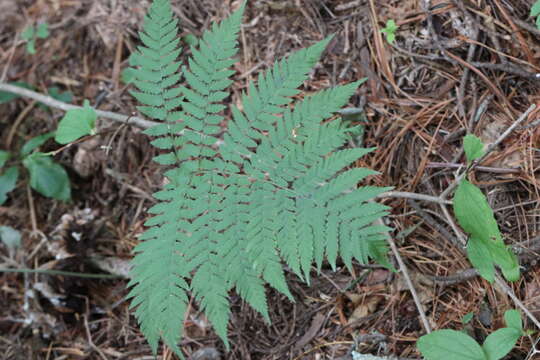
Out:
{"x": 278, "y": 189}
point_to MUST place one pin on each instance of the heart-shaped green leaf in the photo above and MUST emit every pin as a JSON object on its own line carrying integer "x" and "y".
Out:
{"x": 473, "y": 146}
{"x": 76, "y": 124}
{"x": 47, "y": 177}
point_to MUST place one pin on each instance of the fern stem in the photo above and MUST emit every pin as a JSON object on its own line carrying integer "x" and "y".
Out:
{"x": 61, "y": 273}
{"x": 49, "y": 101}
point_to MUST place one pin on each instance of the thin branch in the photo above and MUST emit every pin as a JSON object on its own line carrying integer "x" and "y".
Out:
{"x": 90, "y": 341}
{"x": 410, "y": 285}
{"x": 438, "y": 165}
{"x": 408, "y": 280}
{"x": 504, "y": 135}
{"x": 61, "y": 272}
{"x": 49, "y": 101}
{"x": 414, "y": 196}
{"x": 506, "y": 289}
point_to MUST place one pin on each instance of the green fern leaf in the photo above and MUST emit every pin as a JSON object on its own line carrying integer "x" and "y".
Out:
{"x": 277, "y": 190}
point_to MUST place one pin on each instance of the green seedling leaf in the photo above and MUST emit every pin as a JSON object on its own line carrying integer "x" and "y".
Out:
{"x": 500, "y": 343}
{"x": 473, "y": 212}
{"x": 450, "y": 345}
{"x": 76, "y": 124}
{"x": 467, "y": 318}
{"x": 10, "y": 237}
{"x": 506, "y": 259}
{"x": 31, "y": 47}
{"x": 474, "y": 148}
{"x": 42, "y": 31}
{"x": 47, "y": 177}
{"x": 8, "y": 181}
{"x": 485, "y": 245}
{"x": 28, "y": 33}
{"x": 7, "y": 96}
{"x": 535, "y": 9}
{"x": 390, "y": 31}
{"x": 513, "y": 319}
{"x": 480, "y": 257}
{"x": 128, "y": 75}
{"x": 4, "y": 156}
{"x": 35, "y": 142}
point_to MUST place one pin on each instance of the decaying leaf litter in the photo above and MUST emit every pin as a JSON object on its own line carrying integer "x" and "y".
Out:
{"x": 455, "y": 67}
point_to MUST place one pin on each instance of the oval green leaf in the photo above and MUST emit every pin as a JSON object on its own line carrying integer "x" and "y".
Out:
{"x": 500, "y": 343}
{"x": 480, "y": 257}
{"x": 473, "y": 146}
{"x": 449, "y": 345}
{"x": 47, "y": 177}
{"x": 512, "y": 318}
{"x": 474, "y": 213}
{"x": 76, "y": 124}
{"x": 486, "y": 245}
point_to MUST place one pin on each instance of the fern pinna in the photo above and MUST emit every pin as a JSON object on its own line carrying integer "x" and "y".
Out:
{"x": 273, "y": 192}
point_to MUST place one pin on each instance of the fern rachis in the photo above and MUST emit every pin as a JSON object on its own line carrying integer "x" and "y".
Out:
{"x": 275, "y": 191}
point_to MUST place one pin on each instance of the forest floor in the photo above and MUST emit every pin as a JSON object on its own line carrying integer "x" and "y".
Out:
{"x": 455, "y": 67}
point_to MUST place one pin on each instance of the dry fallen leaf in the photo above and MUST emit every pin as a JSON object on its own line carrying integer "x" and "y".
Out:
{"x": 364, "y": 308}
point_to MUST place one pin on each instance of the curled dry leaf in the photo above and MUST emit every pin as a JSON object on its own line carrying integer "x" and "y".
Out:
{"x": 86, "y": 160}
{"x": 365, "y": 307}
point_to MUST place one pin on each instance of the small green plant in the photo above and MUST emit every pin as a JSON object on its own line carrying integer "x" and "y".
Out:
{"x": 390, "y": 31}
{"x": 275, "y": 191}
{"x": 456, "y": 345}
{"x": 535, "y": 11}
{"x": 31, "y": 34}
{"x": 486, "y": 247}
{"x": 46, "y": 176}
